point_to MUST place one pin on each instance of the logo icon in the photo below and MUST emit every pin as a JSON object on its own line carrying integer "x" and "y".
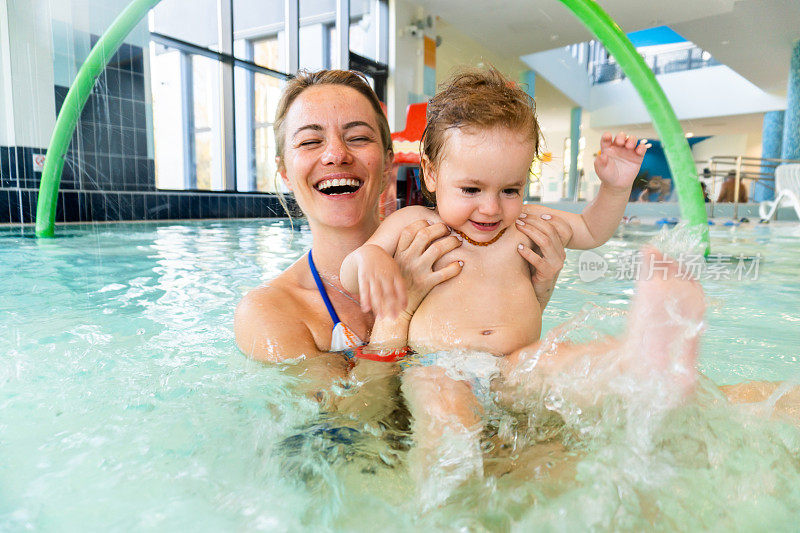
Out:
{"x": 591, "y": 266}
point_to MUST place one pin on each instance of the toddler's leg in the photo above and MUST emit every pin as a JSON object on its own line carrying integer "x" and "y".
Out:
{"x": 661, "y": 340}
{"x": 446, "y": 424}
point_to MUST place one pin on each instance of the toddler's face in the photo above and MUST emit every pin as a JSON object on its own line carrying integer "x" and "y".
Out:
{"x": 480, "y": 180}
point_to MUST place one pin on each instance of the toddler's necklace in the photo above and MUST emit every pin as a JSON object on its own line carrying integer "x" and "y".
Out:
{"x": 478, "y": 243}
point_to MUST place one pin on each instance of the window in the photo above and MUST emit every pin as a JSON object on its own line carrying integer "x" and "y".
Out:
{"x": 216, "y": 78}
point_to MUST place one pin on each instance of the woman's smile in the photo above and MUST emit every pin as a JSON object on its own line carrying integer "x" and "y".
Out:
{"x": 340, "y": 184}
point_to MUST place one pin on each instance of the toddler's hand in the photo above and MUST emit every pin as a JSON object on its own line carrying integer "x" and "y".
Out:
{"x": 619, "y": 160}
{"x": 380, "y": 283}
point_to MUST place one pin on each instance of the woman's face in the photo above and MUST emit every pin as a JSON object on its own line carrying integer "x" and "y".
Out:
{"x": 334, "y": 160}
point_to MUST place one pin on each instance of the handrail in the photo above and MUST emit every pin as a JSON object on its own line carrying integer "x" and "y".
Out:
{"x": 742, "y": 167}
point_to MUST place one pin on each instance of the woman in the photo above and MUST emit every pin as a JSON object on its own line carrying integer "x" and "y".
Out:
{"x": 334, "y": 152}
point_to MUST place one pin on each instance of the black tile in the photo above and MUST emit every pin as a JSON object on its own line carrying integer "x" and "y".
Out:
{"x": 71, "y": 209}
{"x": 101, "y": 173}
{"x": 115, "y": 171}
{"x": 174, "y": 206}
{"x": 141, "y": 171}
{"x": 184, "y": 207}
{"x": 101, "y": 139}
{"x": 112, "y": 82}
{"x": 87, "y": 113}
{"x": 115, "y": 140}
{"x": 88, "y": 136}
{"x": 15, "y": 215}
{"x": 137, "y": 59}
{"x": 157, "y": 207}
{"x": 97, "y": 204}
{"x": 194, "y": 206}
{"x": 59, "y": 208}
{"x": 88, "y": 166}
{"x": 84, "y": 207}
{"x": 125, "y": 84}
{"x": 113, "y": 203}
{"x": 8, "y": 179}
{"x": 125, "y": 206}
{"x": 5, "y": 214}
{"x": 205, "y": 207}
{"x": 139, "y": 117}
{"x": 137, "y": 87}
{"x": 123, "y": 56}
{"x": 129, "y": 174}
{"x": 137, "y": 207}
{"x": 141, "y": 142}
{"x": 93, "y": 39}
{"x": 126, "y": 113}
{"x": 60, "y": 95}
{"x": 99, "y": 105}
{"x": 22, "y": 163}
{"x": 114, "y": 111}
{"x": 28, "y": 204}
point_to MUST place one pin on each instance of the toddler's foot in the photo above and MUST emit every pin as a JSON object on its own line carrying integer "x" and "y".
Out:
{"x": 665, "y": 322}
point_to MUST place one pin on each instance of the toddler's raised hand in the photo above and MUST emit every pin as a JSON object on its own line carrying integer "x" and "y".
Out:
{"x": 381, "y": 286}
{"x": 619, "y": 160}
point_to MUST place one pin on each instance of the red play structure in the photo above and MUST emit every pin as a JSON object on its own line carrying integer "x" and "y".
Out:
{"x": 404, "y": 183}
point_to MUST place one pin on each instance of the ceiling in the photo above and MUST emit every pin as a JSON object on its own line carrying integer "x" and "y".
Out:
{"x": 753, "y": 37}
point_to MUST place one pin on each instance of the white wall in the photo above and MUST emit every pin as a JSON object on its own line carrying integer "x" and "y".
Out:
{"x": 459, "y": 50}
{"x": 564, "y": 72}
{"x": 6, "y": 103}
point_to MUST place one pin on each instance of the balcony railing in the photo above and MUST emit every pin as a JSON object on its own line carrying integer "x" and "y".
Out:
{"x": 603, "y": 69}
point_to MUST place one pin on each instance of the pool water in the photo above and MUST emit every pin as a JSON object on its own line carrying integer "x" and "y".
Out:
{"x": 125, "y": 404}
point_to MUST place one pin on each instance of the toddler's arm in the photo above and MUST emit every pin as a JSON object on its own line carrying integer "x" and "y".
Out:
{"x": 371, "y": 272}
{"x": 616, "y": 165}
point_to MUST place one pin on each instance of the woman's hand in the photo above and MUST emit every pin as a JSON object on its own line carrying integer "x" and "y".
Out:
{"x": 549, "y": 233}
{"x": 420, "y": 245}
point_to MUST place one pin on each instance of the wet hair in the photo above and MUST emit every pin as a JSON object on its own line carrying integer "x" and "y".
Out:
{"x": 480, "y": 98}
{"x": 304, "y": 79}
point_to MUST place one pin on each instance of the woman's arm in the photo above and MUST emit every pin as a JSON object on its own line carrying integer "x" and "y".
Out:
{"x": 371, "y": 271}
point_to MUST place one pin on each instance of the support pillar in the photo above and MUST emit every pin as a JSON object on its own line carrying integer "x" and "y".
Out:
{"x": 791, "y": 122}
{"x": 771, "y": 142}
{"x": 574, "y": 148}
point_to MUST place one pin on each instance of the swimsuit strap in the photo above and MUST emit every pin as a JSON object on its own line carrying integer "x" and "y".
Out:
{"x": 321, "y": 289}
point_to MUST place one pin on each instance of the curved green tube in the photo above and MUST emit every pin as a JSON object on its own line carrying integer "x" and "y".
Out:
{"x": 73, "y": 105}
{"x": 679, "y": 155}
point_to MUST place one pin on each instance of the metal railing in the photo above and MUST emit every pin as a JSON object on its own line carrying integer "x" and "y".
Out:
{"x": 603, "y": 69}
{"x": 755, "y": 169}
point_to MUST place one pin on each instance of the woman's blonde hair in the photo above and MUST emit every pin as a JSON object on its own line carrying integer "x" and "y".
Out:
{"x": 481, "y": 98}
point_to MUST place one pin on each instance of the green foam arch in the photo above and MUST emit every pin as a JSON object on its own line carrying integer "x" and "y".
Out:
{"x": 679, "y": 156}
{"x": 71, "y": 110}
{"x": 676, "y": 148}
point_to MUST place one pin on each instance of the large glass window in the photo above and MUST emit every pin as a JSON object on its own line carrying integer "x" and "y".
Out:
{"x": 214, "y": 102}
{"x": 262, "y": 22}
{"x": 365, "y": 23}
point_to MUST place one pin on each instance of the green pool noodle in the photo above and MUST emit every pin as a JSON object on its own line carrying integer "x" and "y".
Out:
{"x": 71, "y": 110}
{"x": 676, "y": 148}
{"x": 679, "y": 155}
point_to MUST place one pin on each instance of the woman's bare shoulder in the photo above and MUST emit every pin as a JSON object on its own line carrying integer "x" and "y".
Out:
{"x": 269, "y": 320}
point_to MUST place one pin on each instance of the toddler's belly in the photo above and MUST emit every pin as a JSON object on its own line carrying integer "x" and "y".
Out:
{"x": 442, "y": 323}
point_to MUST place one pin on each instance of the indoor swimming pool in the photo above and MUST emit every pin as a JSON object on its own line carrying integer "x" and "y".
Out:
{"x": 126, "y": 405}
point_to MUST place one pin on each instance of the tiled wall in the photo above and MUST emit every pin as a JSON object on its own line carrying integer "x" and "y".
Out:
{"x": 19, "y": 206}
{"x": 108, "y": 174}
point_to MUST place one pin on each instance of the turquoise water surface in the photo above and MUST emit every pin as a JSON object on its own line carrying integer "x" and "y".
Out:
{"x": 125, "y": 404}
